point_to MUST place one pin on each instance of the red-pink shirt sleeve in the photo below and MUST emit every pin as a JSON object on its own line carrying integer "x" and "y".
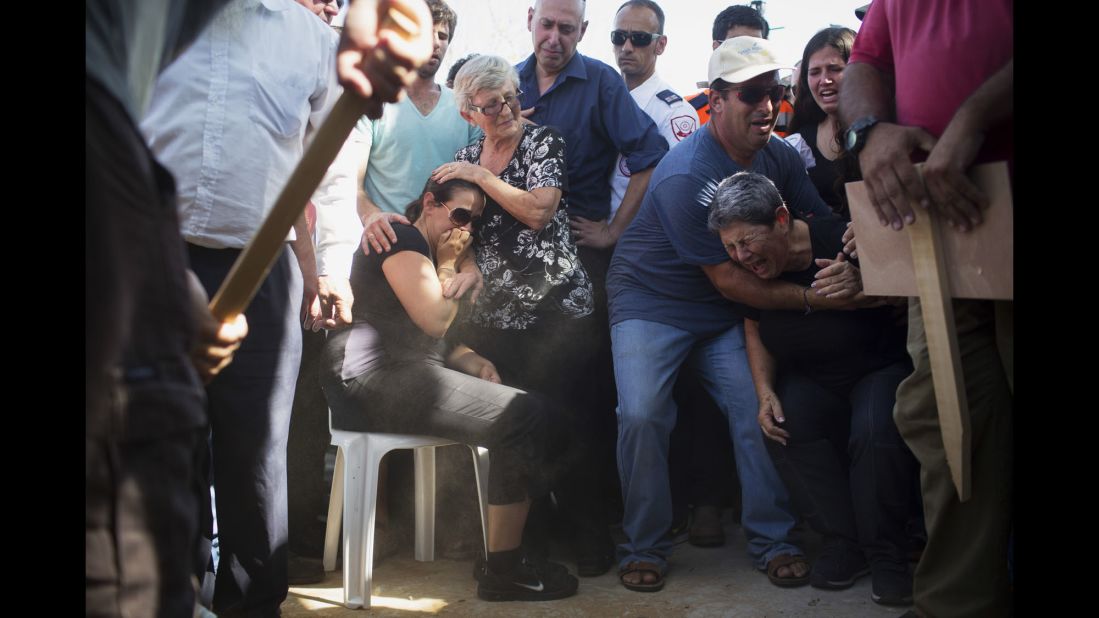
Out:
{"x": 873, "y": 44}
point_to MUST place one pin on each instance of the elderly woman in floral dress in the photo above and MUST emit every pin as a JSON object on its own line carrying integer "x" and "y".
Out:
{"x": 534, "y": 319}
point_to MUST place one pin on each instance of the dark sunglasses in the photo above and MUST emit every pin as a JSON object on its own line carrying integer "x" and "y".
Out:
{"x": 752, "y": 95}
{"x": 638, "y": 39}
{"x": 459, "y": 216}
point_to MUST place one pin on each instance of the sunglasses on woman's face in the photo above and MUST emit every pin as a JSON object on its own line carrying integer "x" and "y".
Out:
{"x": 459, "y": 216}
{"x": 752, "y": 95}
{"x": 638, "y": 39}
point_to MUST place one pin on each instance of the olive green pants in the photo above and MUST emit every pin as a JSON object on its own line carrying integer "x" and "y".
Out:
{"x": 963, "y": 571}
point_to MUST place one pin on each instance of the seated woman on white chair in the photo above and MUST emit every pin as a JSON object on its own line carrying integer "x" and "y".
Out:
{"x": 393, "y": 372}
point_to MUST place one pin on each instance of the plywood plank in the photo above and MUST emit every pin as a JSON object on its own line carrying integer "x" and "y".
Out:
{"x": 980, "y": 262}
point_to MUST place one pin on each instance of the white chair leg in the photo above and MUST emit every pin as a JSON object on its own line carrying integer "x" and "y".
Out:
{"x": 425, "y": 503}
{"x": 335, "y": 515}
{"x": 480, "y": 470}
{"x": 357, "y": 477}
{"x": 370, "y": 508}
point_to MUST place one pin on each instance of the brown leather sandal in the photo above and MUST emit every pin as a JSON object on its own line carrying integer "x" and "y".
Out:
{"x": 638, "y": 566}
{"x": 786, "y": 560}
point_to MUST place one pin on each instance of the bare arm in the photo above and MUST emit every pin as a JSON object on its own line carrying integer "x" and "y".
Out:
{"x": 302, "y": 246}
{"x": 378, "y": 231}
{"x": 534, "y": 209}
{"x": 952, "y": 193}
{"x": 419, "y": 285}
{"x": 364, "y": 206}
{"x": 763, "y": 376}
{"x": 337, "y": 234}
{"x": 631, "y": 201}
{"x": 600, "y": 234}
{"x": 469, "y": 279}
{"x": 741, "y": 286}
{"x": 463, "y": 359}
{"x": 891, "y": 180}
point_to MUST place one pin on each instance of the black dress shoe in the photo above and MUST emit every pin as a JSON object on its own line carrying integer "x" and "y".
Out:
{"x": 594, "y": 553}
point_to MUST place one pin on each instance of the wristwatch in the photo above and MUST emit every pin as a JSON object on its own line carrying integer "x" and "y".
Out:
{"x": 855, "y": 138}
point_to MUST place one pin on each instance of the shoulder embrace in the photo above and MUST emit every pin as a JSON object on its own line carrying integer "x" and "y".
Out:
{"x": 408, "y": 236}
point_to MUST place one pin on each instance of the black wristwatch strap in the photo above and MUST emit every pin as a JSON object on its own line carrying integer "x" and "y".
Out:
{"x": 855, "y": 138}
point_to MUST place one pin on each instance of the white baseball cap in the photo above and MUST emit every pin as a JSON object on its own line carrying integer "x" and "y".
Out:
{"x": 741, "y": 58}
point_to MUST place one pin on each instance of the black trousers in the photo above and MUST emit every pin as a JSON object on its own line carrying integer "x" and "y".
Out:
{"x": 846, "y": 466}
{"x": 306, "y": 446}
{"x": 249, "y": 405}
{"x": 519, "y": 428}
{"x": 555, "y": 358}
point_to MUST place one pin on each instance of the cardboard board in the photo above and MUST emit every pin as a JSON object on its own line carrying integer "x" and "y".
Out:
{"x": 979, "y": 263}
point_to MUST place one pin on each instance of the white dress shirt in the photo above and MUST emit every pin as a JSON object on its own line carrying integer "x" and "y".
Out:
{"x": 675, "y": 121}
{"x": 230, "y": 119}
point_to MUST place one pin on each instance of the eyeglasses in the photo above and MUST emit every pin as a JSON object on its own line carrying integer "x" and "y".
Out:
{"x": 752, "y": 95}
{"x": 638, "y": 39}
{"x": 459, "y": 216}
{"x": 492, "y": 110}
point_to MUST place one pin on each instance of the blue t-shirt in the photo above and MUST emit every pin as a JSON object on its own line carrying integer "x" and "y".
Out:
{"x": 406, "y": 146}
{"x": 656, "y": 272}
{"x": 591, "y": 106}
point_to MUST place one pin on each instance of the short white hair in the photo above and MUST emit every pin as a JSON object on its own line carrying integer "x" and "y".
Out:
{"x": 484, "y": 72}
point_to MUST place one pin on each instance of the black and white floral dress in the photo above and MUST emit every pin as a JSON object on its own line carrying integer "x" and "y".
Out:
{"x": 529, "y": 275}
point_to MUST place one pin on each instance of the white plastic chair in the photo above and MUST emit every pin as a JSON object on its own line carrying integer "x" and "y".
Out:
{"x": 355, "y": 493}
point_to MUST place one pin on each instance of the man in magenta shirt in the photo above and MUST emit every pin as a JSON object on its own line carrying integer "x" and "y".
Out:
{"x": 949, "y": 64}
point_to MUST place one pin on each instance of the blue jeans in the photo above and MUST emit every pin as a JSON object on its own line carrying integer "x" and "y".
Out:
{"x": 647, "y": 359}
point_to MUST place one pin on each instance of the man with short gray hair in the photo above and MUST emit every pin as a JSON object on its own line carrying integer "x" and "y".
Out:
{"x": 675, "y": 300}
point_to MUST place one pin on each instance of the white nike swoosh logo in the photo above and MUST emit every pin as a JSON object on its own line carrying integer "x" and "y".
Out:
{"x": 538, "y": 588}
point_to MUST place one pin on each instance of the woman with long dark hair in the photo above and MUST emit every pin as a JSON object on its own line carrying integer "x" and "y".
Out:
{"x": 815, "y": 128}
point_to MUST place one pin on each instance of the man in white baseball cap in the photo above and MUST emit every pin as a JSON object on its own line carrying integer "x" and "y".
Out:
{"x": 675, "y": 295}
{"x": 743, "y": 74}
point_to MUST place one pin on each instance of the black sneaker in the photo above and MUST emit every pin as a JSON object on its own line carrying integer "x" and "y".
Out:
{"x": 528, "y": 583}
{"x": 891, "y": 584}
{"x": 838, "y": 567}
{"x": 480, "y": 567}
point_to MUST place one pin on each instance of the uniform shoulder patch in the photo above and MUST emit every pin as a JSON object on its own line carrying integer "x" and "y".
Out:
{"x": 669, "y": 97}
{"x": 699, "y": 101}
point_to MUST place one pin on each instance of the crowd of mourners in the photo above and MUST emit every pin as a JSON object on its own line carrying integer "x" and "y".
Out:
{"x": 647, "y": 306}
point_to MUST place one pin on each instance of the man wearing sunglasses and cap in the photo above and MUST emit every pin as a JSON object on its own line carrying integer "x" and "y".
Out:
{"x": 675, "y": 298}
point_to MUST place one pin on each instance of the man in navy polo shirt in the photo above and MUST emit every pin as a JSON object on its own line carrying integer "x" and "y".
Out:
{"x": 587, "y": 101}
